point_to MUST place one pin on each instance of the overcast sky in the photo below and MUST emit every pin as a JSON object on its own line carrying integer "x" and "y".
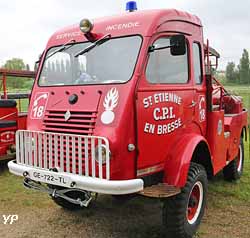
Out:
{"x": 26, "y": 25}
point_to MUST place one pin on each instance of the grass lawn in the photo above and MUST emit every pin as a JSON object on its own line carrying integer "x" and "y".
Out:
{"x": 24, "y": 103}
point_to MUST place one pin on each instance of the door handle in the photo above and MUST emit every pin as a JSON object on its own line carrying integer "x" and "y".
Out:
{"x": 193, "y": 104}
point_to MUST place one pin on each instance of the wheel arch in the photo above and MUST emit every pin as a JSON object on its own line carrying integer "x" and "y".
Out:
{"x": 202, "y": 156}
{"x": 177, "y": 164}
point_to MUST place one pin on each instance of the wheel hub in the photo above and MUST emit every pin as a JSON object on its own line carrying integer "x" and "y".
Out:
{"x": 192, "y": 202}
{"x": 195, "y": 203}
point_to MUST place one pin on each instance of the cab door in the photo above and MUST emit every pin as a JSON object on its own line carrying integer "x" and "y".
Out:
{"x": 165, "y": 106}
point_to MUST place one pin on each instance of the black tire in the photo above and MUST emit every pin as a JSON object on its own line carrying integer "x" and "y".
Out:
{"x": 234, "y": 170}
{"x": 178, "y": 218}
{"x": 68, "y": 205}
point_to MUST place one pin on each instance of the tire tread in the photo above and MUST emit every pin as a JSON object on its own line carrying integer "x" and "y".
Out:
{"x": 174, "y": 207}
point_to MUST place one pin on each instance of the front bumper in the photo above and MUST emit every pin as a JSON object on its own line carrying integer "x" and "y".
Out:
{"x": 114, "y": 187}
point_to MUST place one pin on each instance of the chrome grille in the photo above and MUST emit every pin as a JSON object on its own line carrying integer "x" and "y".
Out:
{"x": 76, "y": 154}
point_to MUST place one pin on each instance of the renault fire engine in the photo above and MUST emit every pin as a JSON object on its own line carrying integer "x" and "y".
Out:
{"x": 126, "y": 105}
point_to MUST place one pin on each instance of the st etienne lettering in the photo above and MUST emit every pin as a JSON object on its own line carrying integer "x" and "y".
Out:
{"x": 162, "y": 114}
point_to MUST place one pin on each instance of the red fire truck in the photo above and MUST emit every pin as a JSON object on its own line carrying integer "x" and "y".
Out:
{"x": 11, "y": 117}
{"x": 126, "y": 105}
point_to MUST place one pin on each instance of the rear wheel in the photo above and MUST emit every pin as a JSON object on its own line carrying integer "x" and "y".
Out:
{"x": 234, "y": 169}
{"x": 182, "y": 213}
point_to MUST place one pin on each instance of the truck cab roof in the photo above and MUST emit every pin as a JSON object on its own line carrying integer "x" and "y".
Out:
{"x": 145, "y": 23}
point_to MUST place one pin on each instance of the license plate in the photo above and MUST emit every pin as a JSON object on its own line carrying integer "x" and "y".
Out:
{"x": 50, "y": 178}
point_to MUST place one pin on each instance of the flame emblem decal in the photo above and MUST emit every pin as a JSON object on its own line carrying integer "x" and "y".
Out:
{"x": 109, "y": 103}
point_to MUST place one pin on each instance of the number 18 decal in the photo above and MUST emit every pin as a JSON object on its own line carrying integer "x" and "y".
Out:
{"x": 39, "y": 105}
{"x": 202, "y": 108}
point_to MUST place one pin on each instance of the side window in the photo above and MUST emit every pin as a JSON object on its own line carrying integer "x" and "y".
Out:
{"x": 197, "y": 63}
{"x": 164, "y": 68}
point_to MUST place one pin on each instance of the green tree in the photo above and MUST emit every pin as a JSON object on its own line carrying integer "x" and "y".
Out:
{"x": 221, "y": 76}
{"x": 231, "y": 73}
{"x": 244, "y": 70}
{"x": 27, "y": 67}
{"x": 15, "y": 64}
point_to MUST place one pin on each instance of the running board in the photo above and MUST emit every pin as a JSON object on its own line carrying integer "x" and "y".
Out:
{"x": 161, "y": 190}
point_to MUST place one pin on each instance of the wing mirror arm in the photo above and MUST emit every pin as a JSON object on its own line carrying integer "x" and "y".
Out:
{"x": 177, "y": 46}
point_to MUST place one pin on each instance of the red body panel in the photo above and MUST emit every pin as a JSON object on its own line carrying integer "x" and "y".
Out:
{"x": 7, "y": 132}
{"x": 216, "y": 139}
{"x": 22, "y": 121}
{"x": 233, "y": 123}
{"x": 179, "y": 157}
{"x": 7, "y": 138}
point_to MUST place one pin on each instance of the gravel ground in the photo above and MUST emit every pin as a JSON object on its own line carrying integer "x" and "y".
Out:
{"x": 139, "y": 217}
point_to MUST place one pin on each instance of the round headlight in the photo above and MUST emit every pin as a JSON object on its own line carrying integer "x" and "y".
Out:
{"x": 86, "y": 25}
{"x": 101, "y": 155}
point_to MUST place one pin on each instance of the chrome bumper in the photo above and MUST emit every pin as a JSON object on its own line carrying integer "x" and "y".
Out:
{"x": 114, "y": 187}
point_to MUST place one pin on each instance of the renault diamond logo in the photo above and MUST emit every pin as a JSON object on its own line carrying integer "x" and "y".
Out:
{"x": 67, "y": 115}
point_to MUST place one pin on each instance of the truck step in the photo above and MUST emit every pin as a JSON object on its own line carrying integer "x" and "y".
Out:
{"x": 161, "y": 190}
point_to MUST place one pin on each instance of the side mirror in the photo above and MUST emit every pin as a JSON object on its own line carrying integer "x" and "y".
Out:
{"x": 178, "y": 45}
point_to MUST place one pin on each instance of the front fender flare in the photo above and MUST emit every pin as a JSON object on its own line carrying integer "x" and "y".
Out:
{"x": 179, "y": 158}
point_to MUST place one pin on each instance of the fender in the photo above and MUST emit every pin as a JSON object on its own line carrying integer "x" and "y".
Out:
{"x": 178, "y": 160}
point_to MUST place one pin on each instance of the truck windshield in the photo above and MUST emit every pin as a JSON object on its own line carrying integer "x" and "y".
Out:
{"x": 112, "y": 62}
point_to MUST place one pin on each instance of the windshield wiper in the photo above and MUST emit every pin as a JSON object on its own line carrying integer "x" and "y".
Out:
{"x": 63, "y": 48}
{"x": 93, "y": 45}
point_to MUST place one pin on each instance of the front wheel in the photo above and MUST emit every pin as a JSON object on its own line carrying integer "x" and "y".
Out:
{"x": 234, "y": 170}
{"x": 182, "y": 213}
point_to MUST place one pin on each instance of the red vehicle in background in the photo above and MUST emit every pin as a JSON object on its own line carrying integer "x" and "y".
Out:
{"x": 12, "y": 118}
{"x": 127, "y": 105}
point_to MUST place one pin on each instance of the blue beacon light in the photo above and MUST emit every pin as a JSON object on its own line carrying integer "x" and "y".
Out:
{"x": 131, "y": 6}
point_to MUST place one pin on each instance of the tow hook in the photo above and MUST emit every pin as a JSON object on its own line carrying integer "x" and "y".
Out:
{"x": 86, "y": 202}
{"x": 62, "y": 193}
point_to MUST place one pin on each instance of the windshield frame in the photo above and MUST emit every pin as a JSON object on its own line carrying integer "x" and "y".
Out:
{"x": 94, "y": 84}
